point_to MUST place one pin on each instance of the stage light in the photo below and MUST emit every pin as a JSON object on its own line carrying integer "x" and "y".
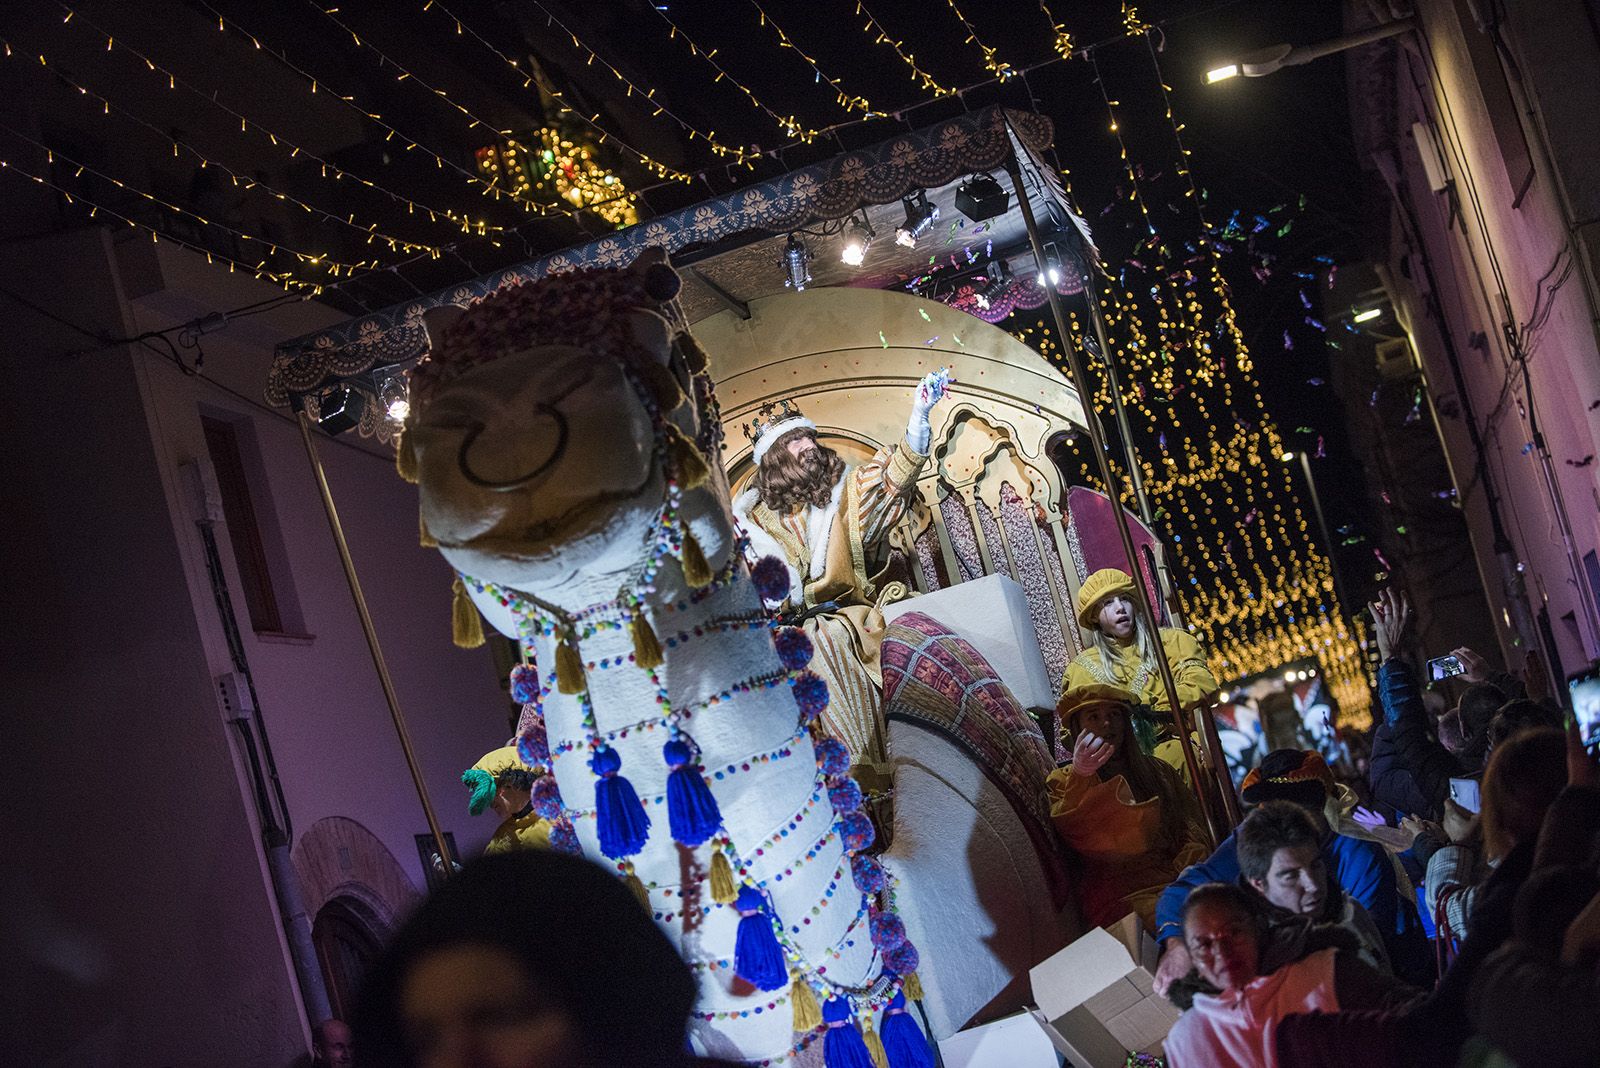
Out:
{"x": 857, "y": 239}
{"x": 796, "y": 263}
{"x": 340, "y": 409}
{"x": 982, "y": 198}
{"x": 1221, "y": 74}
{"x": 919, "y": 219}
{"x": 997, "y": 271}
{"x": 1367, "y": 315}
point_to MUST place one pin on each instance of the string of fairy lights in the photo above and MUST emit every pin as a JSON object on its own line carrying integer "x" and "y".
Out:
{"x": 1252, "y": 584}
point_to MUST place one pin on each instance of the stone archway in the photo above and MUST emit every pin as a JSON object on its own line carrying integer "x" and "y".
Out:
{"x": 338, "y": 858}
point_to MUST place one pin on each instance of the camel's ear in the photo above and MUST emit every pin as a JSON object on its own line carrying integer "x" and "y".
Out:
{"x": 660, "y": 280}
{"x": 436, "y": 321}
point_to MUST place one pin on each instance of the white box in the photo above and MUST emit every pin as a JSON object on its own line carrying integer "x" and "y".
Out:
{"x": 1010, "y": 1042}
{"x": 1096, "y": 999}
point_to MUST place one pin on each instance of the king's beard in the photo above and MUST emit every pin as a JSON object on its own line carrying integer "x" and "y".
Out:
{"x": 787, "y": 482}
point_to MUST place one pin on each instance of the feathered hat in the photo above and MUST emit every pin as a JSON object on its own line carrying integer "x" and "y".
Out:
{"x": 483, "y": 777}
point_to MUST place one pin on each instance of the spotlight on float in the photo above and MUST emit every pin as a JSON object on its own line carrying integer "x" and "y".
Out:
{"x": 998, "y": 273}
{"x": 796, "y": 264}
{"x": 1222, "y": 74}
{"x": 1366, "y": 315}
{"x": 394, "y": 396}
{"x": 919, "y": 219}
{"x": 858, "y": 237}
{"x": 340, "y": 409}
{"x": 981, "y": 198}
{"x": 1051, "y": 274}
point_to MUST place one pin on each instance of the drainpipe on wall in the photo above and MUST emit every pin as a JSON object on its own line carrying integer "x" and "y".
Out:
{"x": 237, "y": 691}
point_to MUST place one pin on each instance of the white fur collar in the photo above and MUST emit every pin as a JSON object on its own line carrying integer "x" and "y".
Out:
{"x": 819, "y": 531}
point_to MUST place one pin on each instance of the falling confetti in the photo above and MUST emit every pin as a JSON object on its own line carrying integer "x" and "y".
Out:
{"x": 1288, "y": 342}
{"x": 924, "y": 313}
{"x": 883, "y": 339}
{"x": 1314, "y": 382}
{"x": 1315, "y": 324}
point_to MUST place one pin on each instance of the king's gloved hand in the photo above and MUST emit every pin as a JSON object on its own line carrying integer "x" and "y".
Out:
{"x": 930, "y": 391}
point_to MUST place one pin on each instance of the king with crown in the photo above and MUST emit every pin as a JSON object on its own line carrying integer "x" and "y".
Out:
{"x": 824, "y": 520}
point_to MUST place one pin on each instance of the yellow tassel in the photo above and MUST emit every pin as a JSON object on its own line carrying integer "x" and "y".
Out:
{"x": 637, "y": 889}
{"x": 694, "y": 357}
{"x": 569, "y": 669}
{"x": 911, "y": 987}
{"x": 466, "y": 629}
{"x": 696, "y": 572}
{"x": 661, "y": 383}
{"x": 880, "y": 1057}
{"x": 688, "y": 466}
{"x": 646, "y": 649}
{"x": 425, "y": 537}
{"x": 723, "y": 889}
{"x": 803, "y": 1000}
{"x": 405, "y": 458}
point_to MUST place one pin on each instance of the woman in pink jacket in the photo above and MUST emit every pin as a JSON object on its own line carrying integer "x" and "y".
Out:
{"x": 1261, "y": 973}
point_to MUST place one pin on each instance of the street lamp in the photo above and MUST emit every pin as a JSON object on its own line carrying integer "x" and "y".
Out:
{"x": 1322, "y": 522}
{"x": 1270, "y": 60}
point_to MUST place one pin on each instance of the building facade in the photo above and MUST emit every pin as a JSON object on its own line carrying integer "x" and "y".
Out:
{"x": 1481, "y": 125}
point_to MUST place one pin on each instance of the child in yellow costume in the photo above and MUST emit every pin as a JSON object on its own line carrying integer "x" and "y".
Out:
{"x": 503, "y": 782}
{"x": 1126, "y": 814}
{"x": 1122, "y": 654}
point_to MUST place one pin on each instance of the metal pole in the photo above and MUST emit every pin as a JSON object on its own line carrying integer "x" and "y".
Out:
{"x": 1097, "y": 439}
{"x": 373, "y": 647}
{"x": 1322, "y": 525}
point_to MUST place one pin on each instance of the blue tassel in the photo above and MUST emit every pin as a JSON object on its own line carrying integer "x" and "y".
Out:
{"x": 692, "y": 811}
{"x": 843, "y": 1047}
{"x": 757, "y": 957}
{"x": 903, "y": 1040}
{"x": 621, "y": 821}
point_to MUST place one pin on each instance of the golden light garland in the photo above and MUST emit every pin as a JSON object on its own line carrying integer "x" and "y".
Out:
{"x": 370, "y": 232}
{"x": 849, "y": 102}
{"x": 789, "y": 124}
{"x": 559, "y": 167}
{"x": 922, "y": 77}
{"x": 285, "y": 281}
{"x": 1062, "y": 40}
{"x": 650, "y": 163}
{"x": 991, "y": 60}
{"x": 329, "y": 171}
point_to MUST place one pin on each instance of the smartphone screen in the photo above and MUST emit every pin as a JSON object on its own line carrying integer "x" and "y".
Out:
{"x": 1584, "y": 689}
{"x": 1464, "y": 792}
{"x": 1443, "y": 667}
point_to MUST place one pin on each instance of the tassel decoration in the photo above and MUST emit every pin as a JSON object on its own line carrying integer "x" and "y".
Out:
{"x": 405, "y": 458}
{"x": 687, "y": 464}
{"x": 901, "y": 959}
{"x": 874, "y": 1044}
{"x": 757, "y": 957}
{"x": 466, "y": 629}
{"x": 696, "y": 572}
{"x": 570, "y": 677}
{"x": 483, "y": 789}
{"x": 692, "y": 812}
{"x": 771, "y": 577}
{"x": 662, "y": 384}
{"x": 803, "y": 1000}
{"x": 524, "y": 684}
{"x": 868, "y": 874}
{"x": 855, "y": 832}
{"x": 811, "y": 695}
{"x": 646, "y": 648}
{"x": 636, "y": 887}
{"x": 546, "y": 798}
{"x": 723, "y": 889}
{"x": 845, "y": 796}
{"x": 911, "y": 985}
{"x": 904, "y": 1043}
{"x": 621, "y": 821}
{"x": 843, "y": 1047}
{"x": 425, "y": 536}
{"x": 832, "y": 757}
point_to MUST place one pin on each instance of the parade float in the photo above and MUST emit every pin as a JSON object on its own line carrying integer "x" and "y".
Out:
{"x": 569, "y": 425}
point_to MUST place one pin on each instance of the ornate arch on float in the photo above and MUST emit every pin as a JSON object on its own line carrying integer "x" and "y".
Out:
{"x": 992, "y": 501}
{"x": 339, "y": 858}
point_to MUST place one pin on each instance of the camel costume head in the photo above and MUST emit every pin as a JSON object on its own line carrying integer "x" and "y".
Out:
{"x": 549, "y": 423}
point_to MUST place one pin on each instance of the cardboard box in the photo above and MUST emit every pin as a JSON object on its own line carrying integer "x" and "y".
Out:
{"x": 1096, "y": 998}
{"x": 1009, "y": 1042}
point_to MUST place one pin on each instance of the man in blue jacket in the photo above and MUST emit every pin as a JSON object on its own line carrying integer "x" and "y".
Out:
{"x": 1361, "y": 868}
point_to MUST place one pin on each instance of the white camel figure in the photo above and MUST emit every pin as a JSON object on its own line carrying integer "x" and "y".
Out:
{"x": 555, "y": 464}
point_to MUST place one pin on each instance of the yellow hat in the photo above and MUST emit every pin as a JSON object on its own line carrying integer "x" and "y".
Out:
{"x": 482, "y": 776}
{"x": 1078, "y": 698}
{"x": 1096, "y": 588}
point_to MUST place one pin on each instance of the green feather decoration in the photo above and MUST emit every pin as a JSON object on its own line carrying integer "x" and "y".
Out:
{"x": 483, "y": 789}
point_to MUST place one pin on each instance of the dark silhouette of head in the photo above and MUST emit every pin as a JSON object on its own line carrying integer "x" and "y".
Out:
{"x": 549, "y": 949}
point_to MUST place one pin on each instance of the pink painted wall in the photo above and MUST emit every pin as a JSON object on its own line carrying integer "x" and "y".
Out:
{"x": 1527, "y": 236}
{"x": 139, "y": 924}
